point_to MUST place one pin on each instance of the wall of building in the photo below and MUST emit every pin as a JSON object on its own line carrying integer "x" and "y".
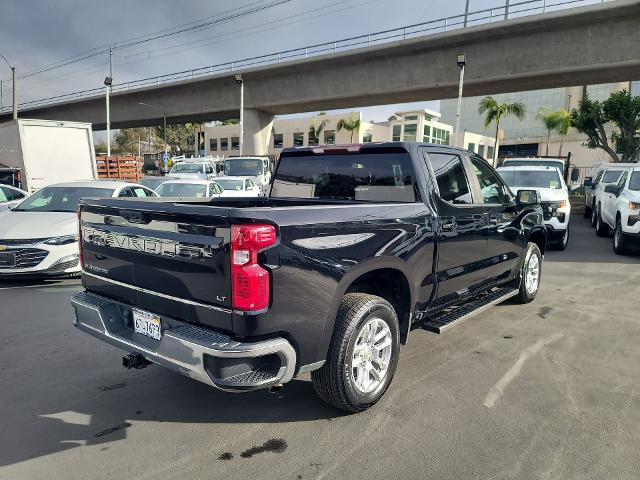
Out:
{"x": 223, "y": 140}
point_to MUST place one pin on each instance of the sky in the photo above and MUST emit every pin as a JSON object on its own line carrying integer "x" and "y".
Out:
{"x": 43, "y": 33}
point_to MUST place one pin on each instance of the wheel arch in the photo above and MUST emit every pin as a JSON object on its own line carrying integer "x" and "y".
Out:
{"x": 539, "y": 237}
{"x": 385, "y": 277}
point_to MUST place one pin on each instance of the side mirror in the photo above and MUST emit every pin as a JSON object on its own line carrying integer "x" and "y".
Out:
{"x": 527, "y": 197}
{"x": 575, "y": 174}
{"x": 588, "y": 182}
{"x": 613, "y": 188}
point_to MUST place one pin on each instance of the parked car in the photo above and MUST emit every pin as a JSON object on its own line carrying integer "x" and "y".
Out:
{"x": 152, "y": 182}
{"x": 10, "y": 196}
{"x": 189, "y": 188}
{"x": 609, "y": 174}
{"x": 552, "y": 193}
{"x": 248, "y": 293}
{"x": 193, "y": 170}
{"x": 238, "y": 187}
{"x": 563, "y": 164}
{"x": 619, "y": 210}
{"x": 39, "y": 237}
{"x": 257, "y": 168}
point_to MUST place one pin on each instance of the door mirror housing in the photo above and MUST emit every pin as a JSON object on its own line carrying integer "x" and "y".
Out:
{"x": 527, "y": 197}
{"x": 613, "y": 188}
{"x": 575, "y": 175}
{"x": 588, "y": 182}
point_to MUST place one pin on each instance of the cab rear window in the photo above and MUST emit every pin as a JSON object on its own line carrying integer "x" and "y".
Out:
{"x": 367, "y": 177}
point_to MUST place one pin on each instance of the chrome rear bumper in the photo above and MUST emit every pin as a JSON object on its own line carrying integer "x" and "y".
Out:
{"x": 202, "y": 354}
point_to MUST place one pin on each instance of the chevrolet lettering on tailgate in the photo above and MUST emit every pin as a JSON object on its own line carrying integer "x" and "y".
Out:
{"x": 151, "y": 245}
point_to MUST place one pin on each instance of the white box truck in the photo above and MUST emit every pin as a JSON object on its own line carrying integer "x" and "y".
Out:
{"x": 48, "y": 151}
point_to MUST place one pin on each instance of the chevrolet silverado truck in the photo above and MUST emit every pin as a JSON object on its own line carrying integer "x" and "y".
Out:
{"x": 354, "y": 247}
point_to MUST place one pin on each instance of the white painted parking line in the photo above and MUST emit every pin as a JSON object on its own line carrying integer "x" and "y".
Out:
{"x": 496, "y": 391}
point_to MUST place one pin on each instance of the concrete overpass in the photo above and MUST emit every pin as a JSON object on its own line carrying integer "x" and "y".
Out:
{"x": 579, "y": 46}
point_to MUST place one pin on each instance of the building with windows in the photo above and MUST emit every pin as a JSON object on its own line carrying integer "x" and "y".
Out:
{"x": 425, "y": 126}
{"x": 529, "y": 137}
{"x": 224, "y": 140}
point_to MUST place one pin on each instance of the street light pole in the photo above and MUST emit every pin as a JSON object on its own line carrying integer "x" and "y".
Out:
{"x": 239, "y": 81}
{"x": 462, "y": 60}
{"x": 13, "y": 87}
{"x": 107, "y": 84}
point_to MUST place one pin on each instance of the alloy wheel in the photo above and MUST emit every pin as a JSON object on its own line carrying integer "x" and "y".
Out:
{"x": 371, "y": 355}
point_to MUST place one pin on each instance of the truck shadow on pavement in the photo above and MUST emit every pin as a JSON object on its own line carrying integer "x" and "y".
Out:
{"x": 102, "y": 412}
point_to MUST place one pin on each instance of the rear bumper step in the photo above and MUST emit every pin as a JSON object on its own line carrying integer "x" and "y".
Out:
{"x": 452, "y": 316}
{"x": 202, "y": 354}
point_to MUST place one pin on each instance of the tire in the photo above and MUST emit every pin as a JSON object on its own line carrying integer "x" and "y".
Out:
{"x": 564, "y": 241}
{"x": 525, "y": 294}
{"x": 594, "y": 216}
{"x": 602, "y": 229}
{"x": 338, "y": 382}
{"x": 618, "y": 239}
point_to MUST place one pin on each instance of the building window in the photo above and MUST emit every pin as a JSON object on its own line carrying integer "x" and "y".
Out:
{"x": 440, "y": 136}
{"x": 278, "y": 140}
{"x": 471, "y": 147}
{"x": 410, "y": 132}
{"x": 426, "y": 134}
{"x": 396, "y": 133}
{"x": 298, "y": 139}
{"x": 366, "y": 138}
{"x": 329, "y": 137}
{"x": 213, "y": 144}
{"x": 224, "y": 144}
{"x": 481, "y": 150}
{"x": 490, "y": 152}
{"x": 235, "y": 143}
{"x": 313, "y": 140}
{"x": 410, "y": 118}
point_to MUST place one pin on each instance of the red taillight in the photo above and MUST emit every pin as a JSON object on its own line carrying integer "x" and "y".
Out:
{"x": 249, "y": 281}
{"x": 80, "y": 240}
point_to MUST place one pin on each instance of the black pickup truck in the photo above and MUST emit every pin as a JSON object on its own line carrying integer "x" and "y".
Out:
{"x": 354, "y": 247}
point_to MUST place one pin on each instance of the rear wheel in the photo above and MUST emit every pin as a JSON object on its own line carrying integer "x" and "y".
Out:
{"x": 363, "y": 354}
{"x": 602, "y": 229}
{"x": 530, "y": 274}
{"x": 618, "y": 239}
{"x": 564, "y": 241}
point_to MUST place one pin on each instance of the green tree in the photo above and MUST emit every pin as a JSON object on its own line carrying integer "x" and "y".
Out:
{"x": 622, "y": 112}
{"x": 177, "y": 136}
{"x": 349, "y": 125}
{"x": 563, "y": 125}
{"x": 495, "y": 112}
{"x": 317, "y": 126}
{"x": 558, "y": 121}
{"x": 549, "y": 120}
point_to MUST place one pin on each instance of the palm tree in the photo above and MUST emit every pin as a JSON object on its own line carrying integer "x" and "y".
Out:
{"x": 563, "y": 125}
{"x": 315, "y": 130}
{"x": 549, "y": 119}
{"x": 349, "y": 125}
{"x": 497, "y": 111}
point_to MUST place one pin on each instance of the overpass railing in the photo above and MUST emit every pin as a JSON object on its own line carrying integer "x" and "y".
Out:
{"x": 455, "y": 22}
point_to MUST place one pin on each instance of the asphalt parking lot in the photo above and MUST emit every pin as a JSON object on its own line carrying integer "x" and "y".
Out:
{"x": 549, "y": 390}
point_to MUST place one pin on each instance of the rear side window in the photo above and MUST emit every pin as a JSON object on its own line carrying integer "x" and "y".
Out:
{"x": 7, "y": 195}
{"x": 369, "y": 177}
{"x": 452, "y": 181}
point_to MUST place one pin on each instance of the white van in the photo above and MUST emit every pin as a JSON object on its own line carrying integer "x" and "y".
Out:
{"x": 255, "y": 167}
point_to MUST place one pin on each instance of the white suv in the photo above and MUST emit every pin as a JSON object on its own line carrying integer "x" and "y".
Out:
{"x": 608, "y": 175}
{"x": 553, "y": 194}
{"x": 619, "y": 210}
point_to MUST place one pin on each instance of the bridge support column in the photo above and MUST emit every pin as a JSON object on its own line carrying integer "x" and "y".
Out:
{"x": 257, "y": 132}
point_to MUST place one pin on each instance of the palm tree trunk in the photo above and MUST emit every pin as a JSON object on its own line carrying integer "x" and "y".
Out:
{"x": 561, "y": 143}
{"x": 494, "y": 160}
{"x": 548, "y": 140}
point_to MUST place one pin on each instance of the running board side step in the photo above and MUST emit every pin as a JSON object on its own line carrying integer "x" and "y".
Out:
{"x": 456, "y": 314}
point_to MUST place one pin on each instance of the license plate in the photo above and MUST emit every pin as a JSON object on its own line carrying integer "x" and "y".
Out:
{"x": 147, "y": 324}
{"x": 7, "y": 259}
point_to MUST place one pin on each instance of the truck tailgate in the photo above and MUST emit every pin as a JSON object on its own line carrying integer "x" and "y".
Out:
{"x": 175, "y": 264}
